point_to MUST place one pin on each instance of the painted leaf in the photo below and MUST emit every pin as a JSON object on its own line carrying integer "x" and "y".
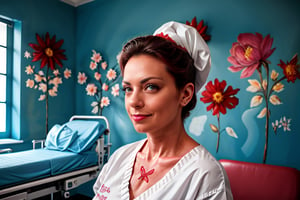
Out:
{"x": 214, "y": 128}
{"x": 254, "y": 86}
{"x": 264, "y": 84}
{"x": 256, "y": 101}
{"x": 262, "y": 113}
{"x": 274, "y": 99}
{"x": 94, "y": 103}
{"x": 278, "y": 87}
{"x": 95, "y": 110}
{"x": 231, "y": 132}
{"x": 274, "y": 75}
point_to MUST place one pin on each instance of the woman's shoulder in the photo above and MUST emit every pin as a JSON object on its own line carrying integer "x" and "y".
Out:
{"x": 205, "y": 160}
{"x": 210, "y": 170}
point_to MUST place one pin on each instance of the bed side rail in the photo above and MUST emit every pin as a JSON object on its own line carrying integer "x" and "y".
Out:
{"x": 103, "y": 146}
{"x": 35, "y": 142}
{"x": 6, "y": 150}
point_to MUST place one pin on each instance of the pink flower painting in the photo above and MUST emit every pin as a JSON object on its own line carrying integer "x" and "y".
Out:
{"x": 249, "y": 54}
{"x": 98, "y": 86}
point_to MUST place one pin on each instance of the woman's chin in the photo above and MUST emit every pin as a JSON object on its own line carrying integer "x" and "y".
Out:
{"x": 139, "y": 128}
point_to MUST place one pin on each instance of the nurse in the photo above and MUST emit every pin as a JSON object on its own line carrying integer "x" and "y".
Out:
{"x": 161, "y": 75}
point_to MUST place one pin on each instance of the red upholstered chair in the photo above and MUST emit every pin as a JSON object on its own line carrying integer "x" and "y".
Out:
{"x": 254, "y": 181}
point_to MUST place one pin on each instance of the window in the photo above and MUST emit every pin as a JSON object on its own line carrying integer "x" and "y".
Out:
{"x": 6, "y": 35}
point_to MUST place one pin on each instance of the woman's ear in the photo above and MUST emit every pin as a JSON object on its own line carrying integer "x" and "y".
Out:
{"x": 187, "y": 94}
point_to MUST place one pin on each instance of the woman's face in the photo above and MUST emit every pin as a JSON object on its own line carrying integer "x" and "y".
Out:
{"x": 152, "y": 100}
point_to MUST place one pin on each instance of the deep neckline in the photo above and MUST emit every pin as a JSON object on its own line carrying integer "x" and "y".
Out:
{"x": 164, "y": 180}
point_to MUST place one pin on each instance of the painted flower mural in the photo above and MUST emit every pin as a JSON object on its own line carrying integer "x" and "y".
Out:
{"x": 283, "y": 123}
{"x": 220, "y": 99}
{"x": 47, "y": 77}
{"x": 201, "y": 28}
{"x": 48, "y": 51}
{"x": 104, "y": 79}
{"x": 249, "y": 54}
{"x": 290, "y": 69}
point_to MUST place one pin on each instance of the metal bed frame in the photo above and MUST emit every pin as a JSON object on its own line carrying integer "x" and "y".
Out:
{"x": 62, "y": 183}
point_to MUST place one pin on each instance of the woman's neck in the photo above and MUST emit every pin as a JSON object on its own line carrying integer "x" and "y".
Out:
{"x": 174, "y": 144}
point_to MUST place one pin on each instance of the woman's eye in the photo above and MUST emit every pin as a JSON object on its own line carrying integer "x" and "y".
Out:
{"x": 151, "y": 87}
{"x": 126, "y": 89}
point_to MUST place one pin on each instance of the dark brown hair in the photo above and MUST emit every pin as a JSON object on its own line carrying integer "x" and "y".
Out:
{"x": 179, "y": 63}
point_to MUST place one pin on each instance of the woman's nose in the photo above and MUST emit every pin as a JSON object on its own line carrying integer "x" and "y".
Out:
{"x": 135, "y": 100}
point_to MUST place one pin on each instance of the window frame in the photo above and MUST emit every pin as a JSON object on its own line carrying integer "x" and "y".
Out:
{"x": 9, "y": 74}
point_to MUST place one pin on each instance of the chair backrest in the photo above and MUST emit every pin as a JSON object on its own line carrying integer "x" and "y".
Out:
{"x": 262, "y": 181}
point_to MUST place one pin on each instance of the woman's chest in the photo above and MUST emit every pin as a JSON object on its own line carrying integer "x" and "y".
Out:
{"x": 145, "y": 175}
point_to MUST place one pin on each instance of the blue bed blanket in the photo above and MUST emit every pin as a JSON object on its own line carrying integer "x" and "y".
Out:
{"x": 68, "y": 147}
{"x": 25, "y": 166}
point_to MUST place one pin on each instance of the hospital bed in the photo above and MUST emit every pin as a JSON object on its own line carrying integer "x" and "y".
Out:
{"x": 71, "y": 155}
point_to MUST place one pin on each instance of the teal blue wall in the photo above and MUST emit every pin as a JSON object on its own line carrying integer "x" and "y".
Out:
{"x": 106, "y": 25}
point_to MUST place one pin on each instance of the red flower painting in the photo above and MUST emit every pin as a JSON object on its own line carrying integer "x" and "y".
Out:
{"x": 291, "y": 69}
{"x": 48, "y": 51}
{"x": 220, "y": 99}
{"x": 201, "y": 28}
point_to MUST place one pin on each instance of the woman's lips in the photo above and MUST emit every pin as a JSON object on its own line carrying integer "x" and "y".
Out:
{"x": 139, "y": 117}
